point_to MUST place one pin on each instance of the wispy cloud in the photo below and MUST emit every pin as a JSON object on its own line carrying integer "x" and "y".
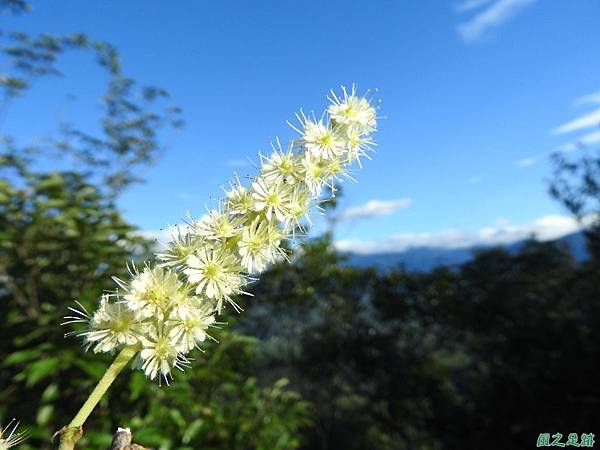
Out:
{"x": 583, "y": 141}
{"x": 475, "y": 179}
{"x": 492, "y": 16}
{"x": 468, "y": 5}
{"x": 545, "y": 228}
{"x": 584, "y": 122}
{"x": 589, "y": 120}
{"x": 374, "y": 208}
{"x": 525, "y": 162}
{"x": 593, "y": 98}
{"x": 239, "y": 163}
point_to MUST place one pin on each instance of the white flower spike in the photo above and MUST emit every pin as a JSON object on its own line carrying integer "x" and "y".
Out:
{"x": 165, "y": 311}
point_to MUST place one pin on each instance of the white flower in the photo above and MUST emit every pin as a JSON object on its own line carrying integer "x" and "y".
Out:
{"x": 239, "y": 200}
{"x": 216, "y": 273}
{"x": 217, "y": 225}
{"x": 299, "y": 208}
{"x": 272, "y": 198}
{"x": 255, "y": 246}
{"x": 152, "y": 292}
{"x": 9, "y": 437}
{"x": 320, "y": 172}
{"x": 281, "y": 167}
{"x": 322, "y": 140}
{"x": 183, "y": 306}
{"x": 181, "y": 245}
{"x": 189, "y": 332}
{"x": 159, "y": 354}
{"x": 315, "y": 173}
{"x": 358, "y": 145}
{"x": 112, "y": 326}
{"x": 277, "y": 234}
{"x": 352, "y": 111}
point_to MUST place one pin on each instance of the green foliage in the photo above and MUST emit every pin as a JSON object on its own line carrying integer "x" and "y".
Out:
{"x": 576, "y": 185}
{"x": 62, "y": 238}
{"x": 483, "y": 356}
{"x": 576, "y": 182}
{"x": 219, "y": 404}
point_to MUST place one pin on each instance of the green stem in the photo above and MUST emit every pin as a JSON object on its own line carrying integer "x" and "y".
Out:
{"x": 71, "y": 434}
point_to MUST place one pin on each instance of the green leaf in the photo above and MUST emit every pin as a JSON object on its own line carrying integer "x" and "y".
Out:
{"x": 177, "y": 418}
{"x": 192, "y": 431}
{"x": 94, "y": 369}
{"x": 20, "y": 357}
{"x": 39, "y": 370}
{"x": 50, "y": 393}
{"x": 137, "y": 383}
{"x": 44, "y": 415}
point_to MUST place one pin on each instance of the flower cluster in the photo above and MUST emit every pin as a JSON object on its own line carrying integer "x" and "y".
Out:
{"x": 166, "y": 309}
{"x": 9, "y": 437}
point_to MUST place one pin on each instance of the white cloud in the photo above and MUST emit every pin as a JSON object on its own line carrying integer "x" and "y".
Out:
{"x": 374, "y": 208}
{"x": 475, "y": 179}
{"x": 468, "y": 5}
{"x": 593, "y": 98}
{"x": 164, "y": 235}
{"x": 583, "y": 141}
{"x": 590, "y": 138}
{"x": 526, "y": 162}
{"x": 545, "y": 228}
{"x": 493, "y": 16}
{"x": 239, "y": 163}
{"x": 589, "y": 120}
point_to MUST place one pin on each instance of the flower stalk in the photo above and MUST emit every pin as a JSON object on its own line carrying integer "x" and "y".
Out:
{"x": 70, "y": 435}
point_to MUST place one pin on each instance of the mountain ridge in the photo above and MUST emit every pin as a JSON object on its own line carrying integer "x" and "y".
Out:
{"x": 425, "y": 259}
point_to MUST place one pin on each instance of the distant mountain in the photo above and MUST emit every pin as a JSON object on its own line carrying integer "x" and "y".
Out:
{"x": 425, "y": 259}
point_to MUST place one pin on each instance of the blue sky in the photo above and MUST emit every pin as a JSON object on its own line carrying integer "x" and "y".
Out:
{"x": 477, "y": 94}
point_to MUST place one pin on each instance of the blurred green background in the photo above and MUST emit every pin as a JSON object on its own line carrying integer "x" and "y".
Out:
{"x": 325, "y": 356}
